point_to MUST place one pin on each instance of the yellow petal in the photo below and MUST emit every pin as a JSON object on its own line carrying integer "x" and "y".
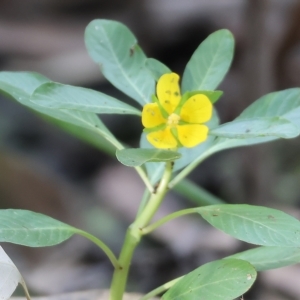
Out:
{"x": 197, "y": 109}
{"x": 192, "y": 135}
{"x": 151, "y": 116}
{"x": 168, "y": 91}
{"x": 162, "y": 139}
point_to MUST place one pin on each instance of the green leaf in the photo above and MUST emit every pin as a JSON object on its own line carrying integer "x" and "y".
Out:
{"x": 87, "y": 126}
{"x": 257, "y": 127}
{"x": 122, "y": 62}
{"x": 79, "y": 118}
{"x": 32, "y": 229}
{"x": 27, "y": 228}
{"x": 209, "y": 63}
{"x": 137, "y": 157}
{"x": 284, "y": 104}
{"x": 213, "y": 96}
{"x": 157, "y": 68}
{"x": 223, "y": 279}
{"x": 268, "y": 258}
{"x": 20, "y": 85}
{"x": 59, "y": 96}
{"x": 254, "y": 224}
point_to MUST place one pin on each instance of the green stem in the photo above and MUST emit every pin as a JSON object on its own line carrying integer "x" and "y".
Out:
{"x": 168, "y": 218}
{"x": 160, "y": 289}
{"x": 144, "y": 202}
{"x": 22, "y": 282}
{"x": 145, "y": 178}
{"x": 134, "y": 235}
{"x": 156, "y": 198}
{"x": 186, "y": 171}
{"x": 101, "y": 245}
{"x": 190, "y": 167}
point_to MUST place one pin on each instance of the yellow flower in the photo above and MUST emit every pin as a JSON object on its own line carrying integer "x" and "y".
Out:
{"x": 173, "y": 120}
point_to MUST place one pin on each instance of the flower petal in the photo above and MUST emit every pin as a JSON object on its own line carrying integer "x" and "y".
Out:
{"x": 197, "y": 109}
{"x": 168, "y": 91}
{"x": 192, "y": 134}
{"x": 162, "y": 139}
{"x": 151, "y": 116}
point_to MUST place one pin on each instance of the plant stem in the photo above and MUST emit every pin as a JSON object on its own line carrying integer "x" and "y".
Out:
{"x": 22, "y": 282}
{"x": 134, "y": 235}
{"x": 143, "y": 203}
{"x": 156, "y": 198}
{"x": 101, "y": 245}
{"x": 168, "y": 218}
{"x": 144, "y": 177}
{"x": 188, "y": 169}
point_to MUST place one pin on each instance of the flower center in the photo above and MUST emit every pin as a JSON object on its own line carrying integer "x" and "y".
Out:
{"x": 173, "y": 120}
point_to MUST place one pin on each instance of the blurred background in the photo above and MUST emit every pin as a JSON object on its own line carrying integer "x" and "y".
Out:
{"x": 46, "y": 170}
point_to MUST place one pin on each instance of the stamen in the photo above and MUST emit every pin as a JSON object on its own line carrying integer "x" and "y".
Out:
{"x": 173, "y": 120}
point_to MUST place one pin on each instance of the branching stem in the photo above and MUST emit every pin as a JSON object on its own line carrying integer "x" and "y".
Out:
{"x": 135, "y": 233}
{"x": 101, "y": 245}
{"x": 168, "y": 218}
